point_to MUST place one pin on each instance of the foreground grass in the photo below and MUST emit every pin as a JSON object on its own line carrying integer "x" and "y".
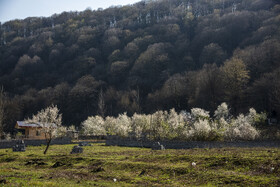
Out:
{"x": 100, "y": 165}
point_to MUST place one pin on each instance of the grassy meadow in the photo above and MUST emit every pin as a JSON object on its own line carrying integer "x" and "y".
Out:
{"x": 102, "y": 165}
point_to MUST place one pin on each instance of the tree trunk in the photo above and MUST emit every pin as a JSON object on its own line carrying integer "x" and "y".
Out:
{"x": 48, "y": 145}
{"x": 1, "y": 112}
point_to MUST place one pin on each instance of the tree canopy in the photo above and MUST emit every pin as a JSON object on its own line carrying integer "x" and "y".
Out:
{"x": 144, "y": 57}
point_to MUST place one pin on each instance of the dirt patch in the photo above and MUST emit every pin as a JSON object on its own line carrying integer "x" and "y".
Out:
{"x": 9, "y": 159}
{"x": 71, "y": 175}
{"x": 60, "y": 164}
{"x": 79, "y": 159}
{"x": 36, "y": 162}
{"x": 97, "y": 169}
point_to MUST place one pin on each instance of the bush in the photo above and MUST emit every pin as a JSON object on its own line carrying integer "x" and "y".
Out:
{"x": 61, "y": 131}
{"x": 255, "y": 118}
{"x": 7, "y": 136}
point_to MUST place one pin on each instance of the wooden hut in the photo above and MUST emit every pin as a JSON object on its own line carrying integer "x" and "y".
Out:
{"x": 31, "y": 130}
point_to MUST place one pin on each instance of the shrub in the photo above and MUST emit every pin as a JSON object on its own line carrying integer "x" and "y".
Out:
{"x": 7, "y": 136}
{"x": 255, "y": 118}
{"x": 60, "y": 131}
{"x": 261, "y": 119}
{"x": 71, "y": 128}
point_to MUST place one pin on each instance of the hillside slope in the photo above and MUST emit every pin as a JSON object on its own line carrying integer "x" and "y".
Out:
{"x": 141, "y": 58}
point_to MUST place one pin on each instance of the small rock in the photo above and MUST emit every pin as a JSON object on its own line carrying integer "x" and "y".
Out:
{"x": 19, "y": 147}
{"x": 158, "y": 146}
{"x": 77, "y": 149}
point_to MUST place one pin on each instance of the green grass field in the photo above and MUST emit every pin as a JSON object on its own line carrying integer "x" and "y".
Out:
{"x": 99, "y": 165}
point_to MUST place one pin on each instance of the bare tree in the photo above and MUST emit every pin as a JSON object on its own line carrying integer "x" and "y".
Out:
{"x": 101, "y": 104}
{"x": 2, "y": 103}
{"x": 136, "y": 96}
{"x": 48, "y": 120}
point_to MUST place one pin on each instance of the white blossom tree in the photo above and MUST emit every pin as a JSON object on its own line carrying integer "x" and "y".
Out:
{"x": 48, "y": 120}
{"x": 222, "y": 111}
{"x": 163, "y": 125}
{"x": 94, "y": 126}
{"x": 242, "y": 129}
{"x": 198, "y": 113}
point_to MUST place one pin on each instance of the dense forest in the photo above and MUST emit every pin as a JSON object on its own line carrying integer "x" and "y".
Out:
{"x": 153, "y": 55}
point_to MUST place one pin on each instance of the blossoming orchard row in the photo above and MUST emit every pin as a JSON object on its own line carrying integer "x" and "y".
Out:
{"x": 164, "y": 125}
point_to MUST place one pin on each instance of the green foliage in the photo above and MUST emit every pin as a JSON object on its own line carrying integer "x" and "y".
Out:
{"x": 261, "y": 119}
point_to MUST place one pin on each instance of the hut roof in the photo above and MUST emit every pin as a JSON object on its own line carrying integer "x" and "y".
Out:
{"x": 35, "y": 125}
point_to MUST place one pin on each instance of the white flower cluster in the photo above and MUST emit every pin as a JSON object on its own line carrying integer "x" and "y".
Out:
{"x": 140, "y": 124}
{"x": 200, "y": 130}
{"x": 222, "y": 112}
{"x": 60, "y": 131}
{"x": 199, "y": 113}
{"x": 49, "y": 120}
{"x": 123, "y": 127}
{"x": 197, "y": 125}
{"x": 242, "y": 129}
{"x": 94, "y": 126}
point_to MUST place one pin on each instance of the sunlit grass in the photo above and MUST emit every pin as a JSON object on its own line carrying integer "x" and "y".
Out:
{"x": 101, "y": 165}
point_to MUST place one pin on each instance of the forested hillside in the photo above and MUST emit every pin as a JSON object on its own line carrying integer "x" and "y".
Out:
{"x": 153, "y": 55}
